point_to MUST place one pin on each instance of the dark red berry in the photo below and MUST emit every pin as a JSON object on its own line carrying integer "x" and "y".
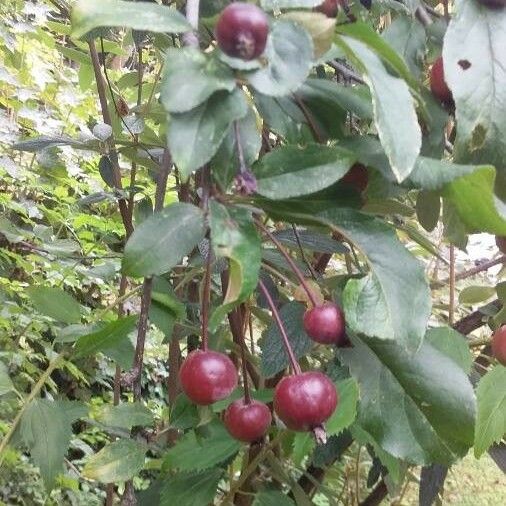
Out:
{"x": 207, "y": 376}
{"x": 499, "y": 344}
{"x": 357, "y": 177}
{"x": 438, "y": 84}
{"x": 304, "y": 401}
{"x": 325, "y": 324}
{"x": 501, "y": 243}
{"x": 241, "y": 30}
{"x": 329, "y": 8}
{"x": 247, "y": 422}
{"x": 493, "y": 4}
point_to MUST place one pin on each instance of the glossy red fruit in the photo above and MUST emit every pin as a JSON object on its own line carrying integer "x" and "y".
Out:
{"x": 499, "y": 344}
{"x": 247, "y": 422}
{"x": 329, "y": 8}
{"x": 501, "y": 243}
{"x": 493, "y": 4}
{"x": 438, "y": 84}
{"x": 325, "y": 324}
{"x": 207, "y": 376}
{"x": 241, "y": 30}
{"x": 357, "y": 177}
{"x": 304, "y": 401}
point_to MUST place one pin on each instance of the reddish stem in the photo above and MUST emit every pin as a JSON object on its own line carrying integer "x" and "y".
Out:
{"x": 206, "y": 297}
{"x": 293, "y": 361}
{"x": 290, "y": 261}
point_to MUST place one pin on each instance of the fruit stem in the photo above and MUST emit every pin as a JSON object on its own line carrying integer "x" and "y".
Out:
{"x": 293, "y": 361}
{"x": 206, "y": 297}
{"x": 303, "y": 255}
{"x": 290, "y": 261}
{"x": 247, "y": 395}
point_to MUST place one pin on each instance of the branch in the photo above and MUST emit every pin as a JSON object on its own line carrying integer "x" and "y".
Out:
{"x": 346, "y": 72}
{"x": 475, "y": 320}
{"x": 309, "y": 118}
{"x": 475, "y": 270}
{"x": 192, "y": 15}
{"x": 113, "y": 155}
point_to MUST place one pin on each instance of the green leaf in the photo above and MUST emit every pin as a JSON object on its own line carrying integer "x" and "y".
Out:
{"x": 428, "y": 209}
{"x": 452, "y": 344}
{"x": 184, "y": 413}
{"x": 46, "y": 431}
{"x": 55, "y": 302}
{"x": 367, "y": 36}
{"x": 491, "y": 419}
{"x": 474, "y": 63}
{"x": 418, "y": 407}
{"x": 224, "y": 164}
{"x": 394, "y": 108}
{"x": 290, "y": 171}
{"x": 303, "y": 445}
{"x": 274, "y": 357}
{"x": 310, "y": 240}
{"x": 87, "y": 15}
{"x": 474, "y": 199}
{"x": 272, "y": 498}
{"x": 407, "y": 36}
{"x": 289, "y": 55}
{"x": 475, "y": 294}
{"x": 194, "y": 136}
{"x": 6, "y": 385}
{"x": 346, "y": 410}
{"x": 118, "y": 461}
{"x": 191, "y": 77}
{"x": 152, "y": 248}
{"x": 234, "y": 236}
{"x": 110, "y": 340}
{"x": 190, "y": 489}
{"x": 212, "y": 448}
{"x": 125, "y": 415}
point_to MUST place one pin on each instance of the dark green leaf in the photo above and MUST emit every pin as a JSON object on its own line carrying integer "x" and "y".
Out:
{"x": 118, "y": 461}
{"x": 195, "y": 136}
{"x": 310, "y": 240}
{"x": 5, "y": 382}
{"x": 191, "y": 77}
{"x": 90, "y": 14}
{"x": 190, "y": 489}
{"x": 234, "y": 236}
{"x": 291, "y": 171}
{"x": 491, "y": 420}
{"x": 212, "y": 449}
{"x": 418, "y": 407}
{"x": 428, "y": 209}
{"x": 152, "y": 248}
{"x": 289, "y": 53}
{"x": 474, "y": 63}
{"x": 274, "y": 357}
{"x": 106, "y": 171}
{"x": 272, "y": 498}
{"x": 109, "y": 339}
{"x": 56, "y": 303}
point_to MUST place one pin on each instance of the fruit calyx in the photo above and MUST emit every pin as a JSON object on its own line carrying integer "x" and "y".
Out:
{"x": 241, "y": 30}
{"x": 325, "y": 324}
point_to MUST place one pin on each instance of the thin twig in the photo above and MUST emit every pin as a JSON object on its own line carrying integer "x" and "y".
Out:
{"x": 293, "y": 361}
{"x": 310, "y": 120}
{"x": 290, "y": 261}
{"x": 192, "y": 15}
{"x": 304, "y": 258}
{"x": 206, "y": 300}
{"x": 475, "y": 270}
{"x": 346, "y": 72}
